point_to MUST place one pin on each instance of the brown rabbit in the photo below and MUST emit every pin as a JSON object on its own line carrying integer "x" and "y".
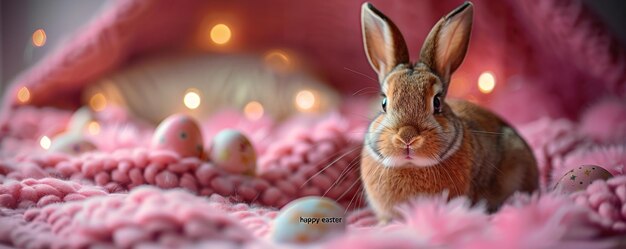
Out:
{"x": 420, "y": 144}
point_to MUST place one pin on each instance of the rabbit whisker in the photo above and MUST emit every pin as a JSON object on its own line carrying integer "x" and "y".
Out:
{"x": 352, "y": 199}
{"x": 487, "y": 132}
{"x": 361, "y": 115}
{"x": 359, "y": 73}
{"x": 343, "y": 174}
{"x": 331, "y": 164}
{"x": 362, "y": 90}
{"x": 445, "y": 170}
{"x": 348, "y": 190}
{"x": 360, "y": 193}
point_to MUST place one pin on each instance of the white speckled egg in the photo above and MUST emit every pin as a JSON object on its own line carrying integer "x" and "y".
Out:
{"x": 308, "y": 219}
{"x": 179, "y": 133}
{"x": 71, "y": 143}
{"x": 580, "y": 177}
{"x": 233, "y": 152}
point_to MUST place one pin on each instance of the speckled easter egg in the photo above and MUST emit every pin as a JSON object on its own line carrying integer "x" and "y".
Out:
{"x": 71, "y": 143}
{"x": 233, "y": 152}
{"x": 308, "y": 219}
{"x": 580, "y": 177}
{"x": 179, "y": 133}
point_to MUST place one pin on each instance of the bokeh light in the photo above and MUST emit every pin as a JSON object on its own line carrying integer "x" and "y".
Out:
{"x": 305, "y": 100}
{"x": 98, "y": 102}
{"x": 93, "y": 128}
{"x": 192, "y": 98}
{"x": 220, "y": 34}
{"x": 486, "y": 82}
{"x": 253, "y": 110}
{"x": 23, "y": 95}
{"x": 45, "y": 142}
{"x": 39, "y": 38}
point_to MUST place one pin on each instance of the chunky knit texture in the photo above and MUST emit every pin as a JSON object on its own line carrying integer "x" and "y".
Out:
{"x": 137, "y": 197}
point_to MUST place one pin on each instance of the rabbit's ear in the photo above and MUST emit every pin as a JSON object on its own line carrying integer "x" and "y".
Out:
{"x": 446, "y": 44}
{"x": 384, "y": 46}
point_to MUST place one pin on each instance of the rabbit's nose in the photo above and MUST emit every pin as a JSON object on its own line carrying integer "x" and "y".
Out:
{"x": 406, "y": 136}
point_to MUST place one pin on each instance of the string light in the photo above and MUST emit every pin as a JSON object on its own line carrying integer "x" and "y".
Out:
{"x": 39, "y": 38}
{"x": 305, "y": 100}
{"x": 45, "y": 142}
{"x": 253, "y": 110}
{"x": 192, "y": 98}
{"x": 23, "y": 95}
{"x": 93, "y": 128}
{"x": 486, "y": 82}
{"x": 98, "y": 102}
{"x": 220, "y": 34}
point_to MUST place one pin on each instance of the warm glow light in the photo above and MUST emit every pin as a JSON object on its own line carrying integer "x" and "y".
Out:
{"x": 305, "y": 100}
{"x": 23, "y": 95}
{"x": 277, "y": 59}
{"x": 486, "y": 82}
{"x": 253, "y": 110}
{"x": 220, "y": 34}
{"x": 45, "y": 142}
{"x": 98, "y": 102}
{"x": 93, "y": 128}
{"x": 39, "y": 38}
{"x": 192, "y": 98}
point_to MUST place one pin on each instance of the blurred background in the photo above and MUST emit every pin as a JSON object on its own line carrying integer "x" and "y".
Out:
{"x": 21, "y": 18}
{"x": 31, "y": 29}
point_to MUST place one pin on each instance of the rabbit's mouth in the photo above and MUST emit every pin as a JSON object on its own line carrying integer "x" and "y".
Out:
{"x": 408, "y": 153}
{"x": 409, "y": 161}
{"x": 415, "y": 156}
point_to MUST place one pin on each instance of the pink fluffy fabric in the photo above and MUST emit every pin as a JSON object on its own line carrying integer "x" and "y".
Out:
{"x": 520, "y": 102}
{"x": 606, "y": 120}
{"x": 127, "y": 195}
{"x": 526, "y": 222}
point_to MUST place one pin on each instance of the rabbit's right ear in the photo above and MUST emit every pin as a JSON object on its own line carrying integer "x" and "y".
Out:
{"x": 384, "y": 45}
{"x": 446, "y": 44}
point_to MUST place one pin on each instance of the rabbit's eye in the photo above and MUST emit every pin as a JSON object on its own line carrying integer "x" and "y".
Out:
{"x": 437, "y": 103}
{"x": 384, "y": 104}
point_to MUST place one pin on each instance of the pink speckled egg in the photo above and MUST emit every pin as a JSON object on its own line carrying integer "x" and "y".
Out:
{"x": 308, "y": 219}
{"x": 580, "y": 177}
{"x": 233, "y": 152}
{"x": 179, "y": 133}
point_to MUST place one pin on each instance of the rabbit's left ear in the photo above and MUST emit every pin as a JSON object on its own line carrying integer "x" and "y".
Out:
{"x": 384, "y": 45}
{"x": 446, "y": 44}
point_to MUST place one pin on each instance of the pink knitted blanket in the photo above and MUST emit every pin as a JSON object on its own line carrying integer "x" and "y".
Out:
{"x": 126, "y": 195}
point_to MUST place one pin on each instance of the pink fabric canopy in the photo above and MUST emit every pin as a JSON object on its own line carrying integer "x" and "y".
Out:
{"x": 562, "y": 54}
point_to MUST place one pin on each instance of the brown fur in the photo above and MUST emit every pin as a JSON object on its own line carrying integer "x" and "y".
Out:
{"x": 491, "y": 160}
